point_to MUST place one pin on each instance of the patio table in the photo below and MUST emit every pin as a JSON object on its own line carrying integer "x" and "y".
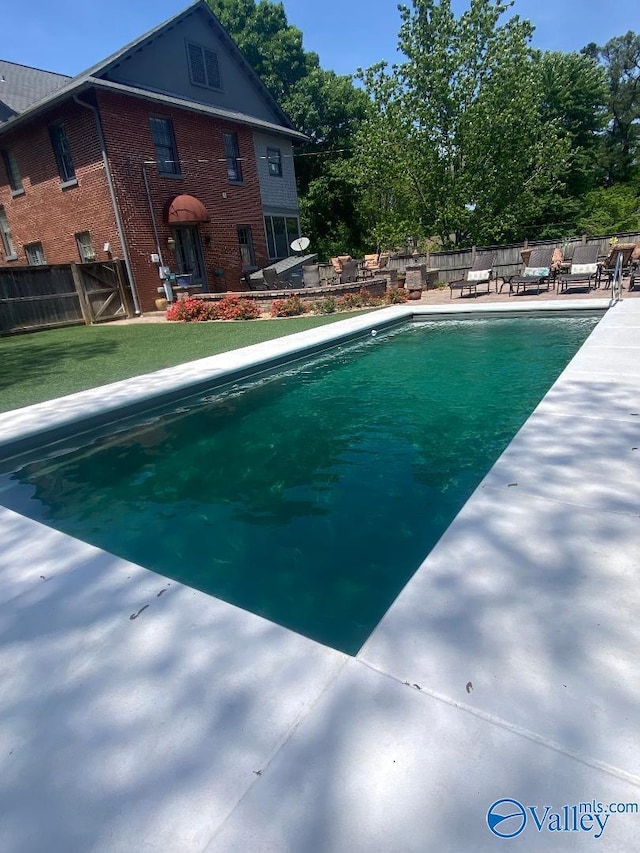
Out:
{"x": 288, "y": 269}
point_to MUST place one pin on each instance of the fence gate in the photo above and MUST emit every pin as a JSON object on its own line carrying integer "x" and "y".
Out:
{"x": 103, "y": 289}
{"x": 43, "y": 297}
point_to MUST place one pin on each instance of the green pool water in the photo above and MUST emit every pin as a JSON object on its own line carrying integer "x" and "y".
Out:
{"x": 310, "y": 498}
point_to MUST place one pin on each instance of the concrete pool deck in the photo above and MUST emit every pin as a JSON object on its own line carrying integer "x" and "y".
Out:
{"x": 139, "y": 714}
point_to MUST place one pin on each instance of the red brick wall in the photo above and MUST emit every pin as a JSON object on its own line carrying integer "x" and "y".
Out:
{"x": 199, "y": 141}
{"x": 46, "y": 213}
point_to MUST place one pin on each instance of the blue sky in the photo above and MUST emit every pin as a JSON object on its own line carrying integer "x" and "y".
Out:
{"x": 70, "y": 35}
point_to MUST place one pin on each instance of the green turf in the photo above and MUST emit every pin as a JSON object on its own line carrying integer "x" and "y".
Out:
{"x": 45, "y": 365}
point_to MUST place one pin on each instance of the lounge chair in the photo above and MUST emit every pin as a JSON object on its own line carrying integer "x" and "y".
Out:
{"x": 537, "y": 273}
{"x": 480, "y": 272}
{"x": 583, "y": 271}
{"x": 608, "y": 265}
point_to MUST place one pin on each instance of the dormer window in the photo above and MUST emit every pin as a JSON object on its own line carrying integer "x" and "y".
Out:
{"x": 203, "y": 66}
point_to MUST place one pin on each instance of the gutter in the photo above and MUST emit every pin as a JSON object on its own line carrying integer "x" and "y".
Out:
{"x": 112, "y": 193}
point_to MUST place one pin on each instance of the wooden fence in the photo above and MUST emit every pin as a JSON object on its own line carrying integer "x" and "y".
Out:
{"x": 507, "y": 259}
{"x": 43, "y": 297}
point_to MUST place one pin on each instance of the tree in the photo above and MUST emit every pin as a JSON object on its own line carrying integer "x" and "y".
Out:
{"x": 620, "y": 57}
{"x": 462, "y": 117}
{"x": 610, "y": 210}
{"x": 574, "y": 97}
{"x": 328, "y": 108}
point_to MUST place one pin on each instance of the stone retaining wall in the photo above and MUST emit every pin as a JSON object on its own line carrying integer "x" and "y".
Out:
{"x": 375, "y": 286}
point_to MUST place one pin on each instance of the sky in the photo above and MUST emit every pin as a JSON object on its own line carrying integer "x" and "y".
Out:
{"x": 68, "y": 36}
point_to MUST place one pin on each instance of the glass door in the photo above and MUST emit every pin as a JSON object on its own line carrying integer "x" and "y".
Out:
{"x": 189, "y": 258}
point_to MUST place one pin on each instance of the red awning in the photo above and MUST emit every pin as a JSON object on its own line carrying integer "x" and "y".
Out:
{"x": 186, "y": 208}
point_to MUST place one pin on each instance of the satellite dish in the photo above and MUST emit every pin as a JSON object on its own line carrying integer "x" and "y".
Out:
{"x": 300, "y": 244}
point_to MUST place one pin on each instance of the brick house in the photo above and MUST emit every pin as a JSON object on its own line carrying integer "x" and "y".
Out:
{"x": 171, "y": 152}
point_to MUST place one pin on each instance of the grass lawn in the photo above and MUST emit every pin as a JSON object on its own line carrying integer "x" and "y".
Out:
{"x": 44, "y": 365}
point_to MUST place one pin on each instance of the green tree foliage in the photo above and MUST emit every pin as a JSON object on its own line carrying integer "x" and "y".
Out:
{"x": 610, "y": 210}
{"x": 574, "y": 97}
{"x": 328, "y": 108}
{"x": 574, "y": 91}
{"x": 620, "y": 57}
{"x": 461, "y": 121}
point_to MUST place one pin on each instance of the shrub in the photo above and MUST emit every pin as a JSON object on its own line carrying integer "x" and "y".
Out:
{"x": 325, "y": 306}
{"x": 234, "y": 308}
{"x": 395, "y": 296}
{"x": 289, "y": 307}
{"x": 360, "y": 299}
{"x": 190, "y": 310}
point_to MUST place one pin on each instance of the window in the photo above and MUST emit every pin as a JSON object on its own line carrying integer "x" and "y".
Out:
{"x": 85, "y": 247}
{"x": 203, "y": 66}
{"x": 164, "y": 143}
{"x": 246, "y": 246}
{"x": 5, "y": 236}
{"x": 35, "y": 255}
{"x": 62, "y": 151}
{"x": 232, "y": 155}
{"x": 281, "y": 231}
{"x": 13, "y": 173}
{"x": 274, "y": 161}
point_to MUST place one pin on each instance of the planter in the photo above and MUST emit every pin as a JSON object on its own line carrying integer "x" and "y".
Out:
{"x": 161, "y": 304}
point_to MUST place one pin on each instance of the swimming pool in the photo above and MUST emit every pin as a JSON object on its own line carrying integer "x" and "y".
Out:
{"x": 312, "y": 497}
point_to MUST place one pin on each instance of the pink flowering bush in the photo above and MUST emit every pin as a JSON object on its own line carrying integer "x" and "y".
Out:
{"x": 235, "y": 308}
{"x": 198, "y": 310}
{"x": 190, "y": 310}
{"x": 289, "y": 307}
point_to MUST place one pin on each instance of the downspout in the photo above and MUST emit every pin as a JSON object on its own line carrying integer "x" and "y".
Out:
{"x": 112, "y": 193}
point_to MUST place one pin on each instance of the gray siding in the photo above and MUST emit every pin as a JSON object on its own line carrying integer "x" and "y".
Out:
{"x": 162, "y": 66}
{"x": 278, "y": 194}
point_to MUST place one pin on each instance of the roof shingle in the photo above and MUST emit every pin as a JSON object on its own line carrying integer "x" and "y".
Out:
{"x": 21, "y": 86}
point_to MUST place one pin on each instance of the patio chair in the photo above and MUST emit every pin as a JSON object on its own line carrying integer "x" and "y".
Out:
{"x": 254, "y": 283}
{"x": 583, "y": 271}
{"x": 273, "y": 280}
{"x": 338, "y": 262}
{"x": 349, "y": 271}
{"x": 373, "y": 264}
{"x": 480, "y": 272}
{"x": 607, "y": 267}
{"x": 311, "y": 275}
{"x": 370, "y": 265}
{"x": 537, "y": 273}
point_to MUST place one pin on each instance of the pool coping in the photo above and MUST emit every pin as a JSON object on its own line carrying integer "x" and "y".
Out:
{"x": 313, "y": 749}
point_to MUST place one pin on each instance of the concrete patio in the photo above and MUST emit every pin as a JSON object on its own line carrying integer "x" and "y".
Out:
{"x": 139, "y": 714}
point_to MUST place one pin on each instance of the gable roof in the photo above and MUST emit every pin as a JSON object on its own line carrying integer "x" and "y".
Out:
{"x": 69, "y": 86}
{"x": 21, "y": 86}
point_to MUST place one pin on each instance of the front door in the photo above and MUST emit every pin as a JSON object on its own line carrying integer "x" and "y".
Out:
{"x": 189, "y": 257}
